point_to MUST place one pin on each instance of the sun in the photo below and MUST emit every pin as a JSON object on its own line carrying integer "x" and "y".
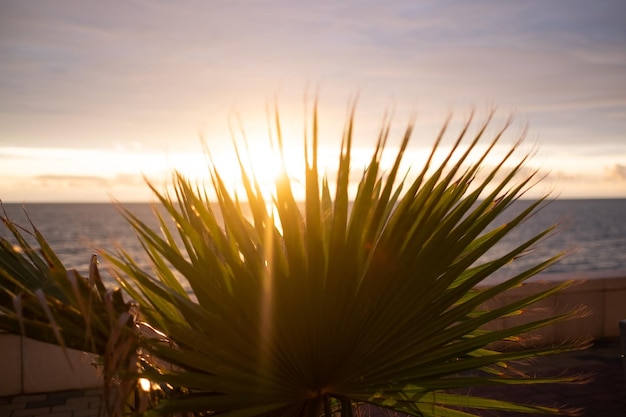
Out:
{"x": 260, "y": 162}
{"x": 265, "y": 164}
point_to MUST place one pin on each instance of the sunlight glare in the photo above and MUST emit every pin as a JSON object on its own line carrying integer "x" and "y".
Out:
{"x": 260, "y": 162}
{"x": 265, "y": 165}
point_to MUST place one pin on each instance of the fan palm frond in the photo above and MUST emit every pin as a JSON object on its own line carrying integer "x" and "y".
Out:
{"x": 316, "y": 307}
{"x": 280, "y": 307}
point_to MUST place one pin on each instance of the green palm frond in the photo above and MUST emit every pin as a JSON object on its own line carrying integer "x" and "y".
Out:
{"x": 280, "y": 307}
{"x": 339, "y": 301}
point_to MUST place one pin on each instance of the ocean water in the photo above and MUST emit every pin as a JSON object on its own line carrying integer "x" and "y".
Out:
{"x": 76, "y": 230}
{"x": 593, "y": 232}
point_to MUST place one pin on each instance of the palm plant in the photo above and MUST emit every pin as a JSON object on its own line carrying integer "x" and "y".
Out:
{"x": 319, "y": 307}
{"x": 40, "y": 298}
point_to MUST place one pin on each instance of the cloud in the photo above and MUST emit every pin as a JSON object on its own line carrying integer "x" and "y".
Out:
{"x": 70, "y": 181}
{"x": 143, "y": 75}
{"x": 74, "y": 188}
{"x": 87, "y": 181}
{"x": 617, "y": 172}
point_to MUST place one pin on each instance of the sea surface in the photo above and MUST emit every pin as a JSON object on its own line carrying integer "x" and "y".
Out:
{"x": 592, "y": 231}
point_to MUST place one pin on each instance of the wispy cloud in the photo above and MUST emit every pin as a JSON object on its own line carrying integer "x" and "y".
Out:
{"x": 617, "y": 172}
{"x": 120, "y": 78}
{"x": 85, "y": 181}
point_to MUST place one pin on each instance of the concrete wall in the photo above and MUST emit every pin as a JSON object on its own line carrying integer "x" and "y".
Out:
{"x": 603, "y": 297}
{"x": 28, "y": 366}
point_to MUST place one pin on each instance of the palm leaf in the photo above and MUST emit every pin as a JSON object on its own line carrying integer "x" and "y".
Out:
{"x": 340, "y": 300}
{"x": 52, "y": 304}
{"x": 316, "y": 307}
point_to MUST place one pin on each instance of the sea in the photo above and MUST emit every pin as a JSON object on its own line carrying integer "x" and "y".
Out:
{"x": 592, "y": 232}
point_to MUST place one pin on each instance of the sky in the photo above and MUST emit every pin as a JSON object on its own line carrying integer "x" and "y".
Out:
{"x": 95, "y": 96}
